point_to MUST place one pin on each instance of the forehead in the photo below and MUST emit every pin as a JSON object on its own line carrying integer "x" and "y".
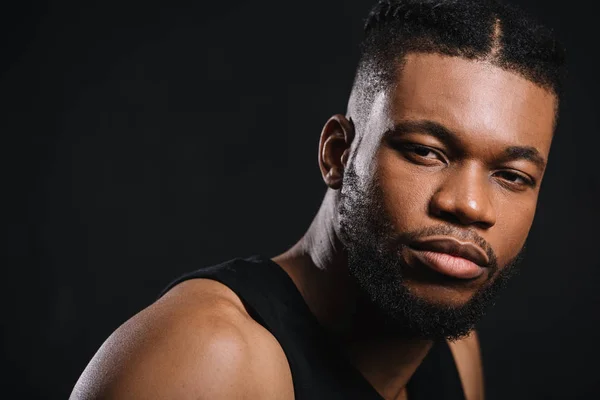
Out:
{"x": 479, "y": 101}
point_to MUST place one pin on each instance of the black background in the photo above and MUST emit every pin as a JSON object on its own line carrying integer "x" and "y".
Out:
{"x": 142, "y": 140}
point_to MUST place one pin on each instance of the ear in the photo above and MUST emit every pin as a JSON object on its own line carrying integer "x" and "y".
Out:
{"x": 334, "y": 149}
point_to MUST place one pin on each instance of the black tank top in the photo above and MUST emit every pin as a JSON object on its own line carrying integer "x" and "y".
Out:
{"x": 318, "y": 370}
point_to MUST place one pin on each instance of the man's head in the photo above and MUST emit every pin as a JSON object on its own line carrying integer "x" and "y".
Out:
{"x": 443, "y": 150}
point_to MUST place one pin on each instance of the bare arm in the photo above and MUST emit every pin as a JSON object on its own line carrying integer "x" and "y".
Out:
{"x": 197, "y": 342}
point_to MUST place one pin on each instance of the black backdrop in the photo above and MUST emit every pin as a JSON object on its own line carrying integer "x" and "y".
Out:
{"x": 143, "y": 140}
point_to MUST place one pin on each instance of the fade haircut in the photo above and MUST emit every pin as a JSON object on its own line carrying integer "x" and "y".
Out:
{"x": 484, "y": 30}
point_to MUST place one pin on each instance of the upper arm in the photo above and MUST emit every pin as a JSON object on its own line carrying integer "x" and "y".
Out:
{"x": 190, "y": 346}
{"x": 467, "y": 355}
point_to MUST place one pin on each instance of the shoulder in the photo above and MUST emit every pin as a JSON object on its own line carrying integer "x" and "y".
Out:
{"x": 467, "y": 355}
{"x": 198, "y": 342}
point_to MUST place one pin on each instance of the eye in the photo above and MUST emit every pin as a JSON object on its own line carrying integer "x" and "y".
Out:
{"x": 419, "y": 152}
{"x": 515, "y": 179}
{"x": 424, "y": 152}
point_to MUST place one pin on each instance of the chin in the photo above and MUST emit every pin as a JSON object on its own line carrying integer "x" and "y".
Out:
{"x": 439, "y": 289}
{"x": 451, "y": 296}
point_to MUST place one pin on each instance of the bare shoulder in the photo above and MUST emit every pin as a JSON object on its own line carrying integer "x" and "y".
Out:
{"x": 467, "y": 355}
{"x": 196, "y": 342}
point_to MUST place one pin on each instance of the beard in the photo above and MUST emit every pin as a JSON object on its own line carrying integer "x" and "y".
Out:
{"x": 374, "y": 251}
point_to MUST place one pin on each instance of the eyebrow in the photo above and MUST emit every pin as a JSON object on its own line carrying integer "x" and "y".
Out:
{"x": 524, "y": 153}
{"x": 428, "y": 127}
{"x": 447, "y": 136}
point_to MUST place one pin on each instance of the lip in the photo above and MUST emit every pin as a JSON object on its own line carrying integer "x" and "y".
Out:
{"x": 453, "y": 247}
{"x": 451, "y": 257}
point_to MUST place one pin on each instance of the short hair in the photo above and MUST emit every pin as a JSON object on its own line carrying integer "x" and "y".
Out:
{"x": 473, "y": 29}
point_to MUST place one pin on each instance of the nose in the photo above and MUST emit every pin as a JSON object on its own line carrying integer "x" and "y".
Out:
{"x": 464, "y": 198}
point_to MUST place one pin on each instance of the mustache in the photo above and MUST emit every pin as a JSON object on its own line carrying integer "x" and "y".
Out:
{"x": 464, "y": 235}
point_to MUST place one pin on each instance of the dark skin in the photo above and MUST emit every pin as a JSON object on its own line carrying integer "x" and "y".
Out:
{"x": 455, "y": 142}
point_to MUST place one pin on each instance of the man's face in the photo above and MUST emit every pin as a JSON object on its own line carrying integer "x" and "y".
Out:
{"x": 449, "y": 160}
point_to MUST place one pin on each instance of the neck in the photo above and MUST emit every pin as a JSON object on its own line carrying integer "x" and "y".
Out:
{"x": 318, "y": 266}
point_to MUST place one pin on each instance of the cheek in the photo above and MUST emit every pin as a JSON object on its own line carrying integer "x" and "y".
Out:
{"x": 405, "y": 193}
{"x": 512, "y": 228}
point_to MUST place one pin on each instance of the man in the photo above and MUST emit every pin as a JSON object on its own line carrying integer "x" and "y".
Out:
{"x": 433, "y": 177}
